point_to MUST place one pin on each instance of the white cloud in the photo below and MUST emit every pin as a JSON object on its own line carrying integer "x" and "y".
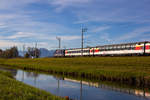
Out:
{"x": 107, "y": 16}
{"x": 7, "y": 43}
{"x": 115, "y": 11}
{"x": 21, "y": 35}
{"x": 68, "y": 38}
{"x": 134, "y": 34}
{"x": 63, "y": 37}
{"x": 12, "y": 4}
{"x": 99, "y": 29}
{"x": 4, "y": 44}
{"x": 61, "y": 4}
{"x": 105, "y": 38}
{"x": 43, "y": 40}
{"x": 2, "y": 25}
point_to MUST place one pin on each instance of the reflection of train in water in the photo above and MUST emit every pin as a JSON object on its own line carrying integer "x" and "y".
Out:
{"x": 128, "y": 49}
{"x": 137, "y": 92}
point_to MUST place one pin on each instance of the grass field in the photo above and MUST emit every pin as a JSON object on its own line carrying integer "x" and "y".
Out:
{"x": 130, "y": 69}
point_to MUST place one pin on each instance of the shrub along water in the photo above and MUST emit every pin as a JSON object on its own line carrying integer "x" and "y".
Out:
{"x": 132, "y": 70}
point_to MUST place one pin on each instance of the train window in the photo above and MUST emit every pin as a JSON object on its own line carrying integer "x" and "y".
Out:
{"x": 108, "y": 48}
{"x": 133, "y": 45}
{"x": 123, "y": 46}
{"x": 127, "y": 47}
{"x": 117, "y": 47}
{"x": 114, "y": 48}
{"x": 104, "y": 47}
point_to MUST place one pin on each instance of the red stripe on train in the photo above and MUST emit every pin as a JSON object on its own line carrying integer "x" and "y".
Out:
{"x": 147, "y": 47}
{"x": 138, "y": 48}
{"x": 97, "y": 50}
{"x": 66, "y": 52}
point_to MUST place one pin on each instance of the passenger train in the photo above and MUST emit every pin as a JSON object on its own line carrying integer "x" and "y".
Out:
{"x": 126, "y": 49}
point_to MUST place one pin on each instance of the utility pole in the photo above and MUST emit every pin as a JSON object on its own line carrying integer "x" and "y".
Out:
{"x": 23, "y": 50}
{"x": 35, "y": 50}
{"x": 59, "y": 39}
{"x": 82, "y": 44}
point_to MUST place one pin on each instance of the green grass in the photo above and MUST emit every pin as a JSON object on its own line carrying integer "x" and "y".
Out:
{"x": 109, "y": 68}
{"x": 6, "y": 73}
{"x": 10, "y": 89}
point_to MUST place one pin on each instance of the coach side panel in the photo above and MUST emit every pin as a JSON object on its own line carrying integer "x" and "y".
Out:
{"x": 147, "y": 48}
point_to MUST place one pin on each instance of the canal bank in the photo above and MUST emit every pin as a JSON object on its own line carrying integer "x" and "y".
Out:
{"x": 77, "y": 89}
{"x": 11, "y": 89}
{"x": 129, "y": 70}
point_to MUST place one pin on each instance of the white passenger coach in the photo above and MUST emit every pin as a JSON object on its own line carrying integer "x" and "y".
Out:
{"x": 128, "y": 49}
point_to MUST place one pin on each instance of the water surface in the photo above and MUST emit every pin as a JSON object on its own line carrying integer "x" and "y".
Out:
{"x": 78, "y": 89}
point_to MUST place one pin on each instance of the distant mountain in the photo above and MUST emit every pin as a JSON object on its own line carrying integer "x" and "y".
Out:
{"x": 21, "y": 53}
{"x": 44, "y": 52}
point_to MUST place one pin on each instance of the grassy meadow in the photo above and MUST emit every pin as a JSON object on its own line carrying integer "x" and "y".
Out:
{"x": 10, "y": 89}
{"x": 129, "y": 69}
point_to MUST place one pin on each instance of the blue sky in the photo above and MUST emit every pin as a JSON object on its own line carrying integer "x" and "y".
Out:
{"x": 108, "y": 21}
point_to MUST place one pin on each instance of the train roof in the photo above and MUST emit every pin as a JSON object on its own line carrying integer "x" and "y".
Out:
{"x": 124, "y": 44}
{"x": 111, "y": 45}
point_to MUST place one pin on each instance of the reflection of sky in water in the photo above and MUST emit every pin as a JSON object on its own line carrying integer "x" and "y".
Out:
{"x": 72, "y": 89}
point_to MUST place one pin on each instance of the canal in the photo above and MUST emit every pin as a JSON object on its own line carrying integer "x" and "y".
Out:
{"x": 78, "y": 89}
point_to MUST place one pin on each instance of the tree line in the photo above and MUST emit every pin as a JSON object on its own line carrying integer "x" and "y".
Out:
{"x": 14, "y": 53}
{"x": 9, "y": 53}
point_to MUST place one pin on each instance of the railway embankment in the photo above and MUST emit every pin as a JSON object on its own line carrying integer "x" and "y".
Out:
{"x": 11, "y": 89}
{"x": 129, "y": 70}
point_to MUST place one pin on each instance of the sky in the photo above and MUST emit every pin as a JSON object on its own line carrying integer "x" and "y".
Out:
{"x": 26, "y": 22}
